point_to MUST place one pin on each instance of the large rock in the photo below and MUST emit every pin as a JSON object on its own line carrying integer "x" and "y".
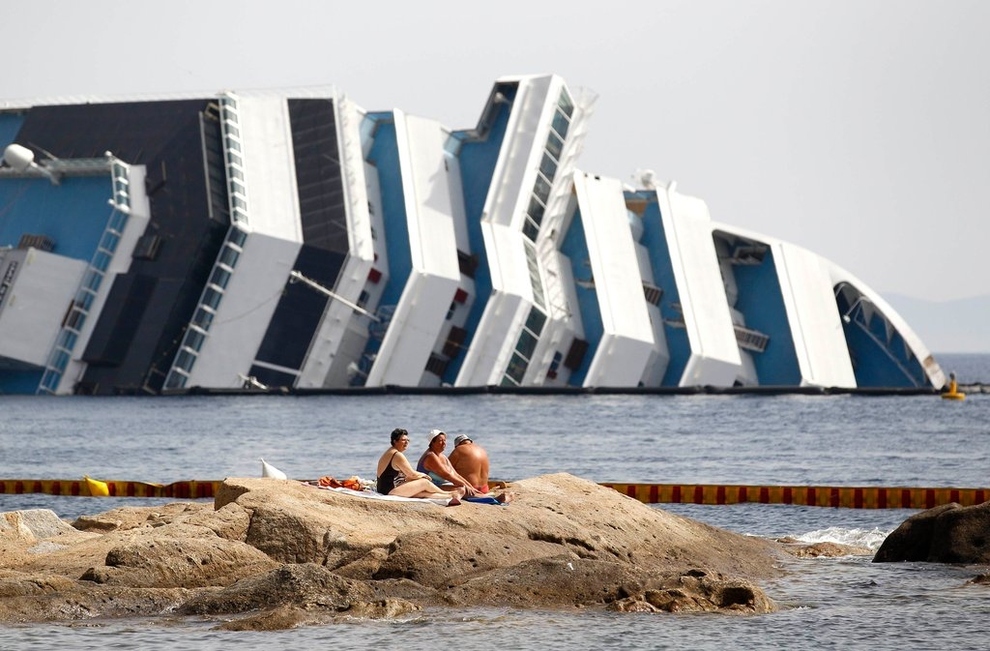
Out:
{"x": 945, "y": 534}
{"x": 290, "y": 553}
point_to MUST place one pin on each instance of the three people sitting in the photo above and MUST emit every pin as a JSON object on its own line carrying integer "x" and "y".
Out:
{"x": 396, "y": 475}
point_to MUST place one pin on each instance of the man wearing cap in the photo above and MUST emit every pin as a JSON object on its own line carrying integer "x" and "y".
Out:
{"x": 438, "y": 466}
{"x": 471, "y": 462}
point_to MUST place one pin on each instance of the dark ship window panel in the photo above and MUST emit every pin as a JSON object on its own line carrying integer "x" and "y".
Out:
{"x": 299, "y": 310}
{"x": 147, "y": 247}
{"x": 319, "y": 177}
{"x": 119, "y": 320}
{"x": 575, "y": 355}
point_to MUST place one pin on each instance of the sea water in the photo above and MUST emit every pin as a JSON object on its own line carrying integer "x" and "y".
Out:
{"x": 844, "y": 603}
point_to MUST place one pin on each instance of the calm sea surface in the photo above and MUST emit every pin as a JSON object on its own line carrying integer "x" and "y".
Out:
{"x": 838, "y": 603}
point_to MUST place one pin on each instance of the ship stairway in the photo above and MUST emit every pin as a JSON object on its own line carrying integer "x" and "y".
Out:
{"x": 748, "y": 254}
{"x": 750, "y": 339}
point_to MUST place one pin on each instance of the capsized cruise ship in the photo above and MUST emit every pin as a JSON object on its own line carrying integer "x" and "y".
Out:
{"x": 295, "y": 240}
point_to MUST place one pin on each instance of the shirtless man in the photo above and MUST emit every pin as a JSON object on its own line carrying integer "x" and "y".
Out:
{"x": 438, "y": 467}
{"x": 471, "y": 462}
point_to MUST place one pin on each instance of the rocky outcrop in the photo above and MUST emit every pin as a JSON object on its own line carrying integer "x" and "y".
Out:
{"x": 282, "y": 553}
{"x": 945, "y": 534}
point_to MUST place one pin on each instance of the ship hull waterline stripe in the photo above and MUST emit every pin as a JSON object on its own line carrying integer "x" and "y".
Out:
{"x": 855, "y": 497}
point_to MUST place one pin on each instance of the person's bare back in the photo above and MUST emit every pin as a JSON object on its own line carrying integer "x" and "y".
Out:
{"x": 470, "y": 460}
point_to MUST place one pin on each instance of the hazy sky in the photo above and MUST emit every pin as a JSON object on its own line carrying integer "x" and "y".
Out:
{"x": 858, "y": 129}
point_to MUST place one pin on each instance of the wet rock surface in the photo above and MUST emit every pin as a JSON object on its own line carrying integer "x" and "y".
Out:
{"x": 950, "y": 533}
{"x": 270, "y": 554}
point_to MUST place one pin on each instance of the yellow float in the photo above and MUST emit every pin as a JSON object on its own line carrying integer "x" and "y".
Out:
{"x": 953, "y": 393}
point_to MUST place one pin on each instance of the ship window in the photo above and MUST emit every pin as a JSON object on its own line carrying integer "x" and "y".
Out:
{"x": 194, "y": 339}
{"x": 220, "y": 277}
{"x": 554, "y": 145}
{"x": 92, "y": 280}
{"x": 203, "y": 318}
{"x": 530, "y": 230}
{"x": 517, "y": 368}
{"x": 560, "y": 124}
{"x": 228, "y": 256}
{"x": 67, "y": 340}
{"x": 85, "y": 299}
{"x": 535, "y": 321}
{"x": 236, "y": 236}
{"x": 565, "y": 104}
{"x": 75, "y": 320}
{"x": 60, "y": 360}
{"x": 542, "y": 189}
{"x": 101, "y": 260}
{"x": 535, "y": 211}
{"x": 212, "y": 297}
{"x": 185, "y": 359}
{"x": 548, "y": 167}
{"x": 526, "y": 345}
{"x": 117, "y": 222}
{"x": 109, "y": 241}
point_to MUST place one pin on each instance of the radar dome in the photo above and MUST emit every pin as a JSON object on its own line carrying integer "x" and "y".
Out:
{"x": 19, "y": 158}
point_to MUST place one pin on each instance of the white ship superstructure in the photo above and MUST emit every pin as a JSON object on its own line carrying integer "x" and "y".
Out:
{"x": 294, "y": 240}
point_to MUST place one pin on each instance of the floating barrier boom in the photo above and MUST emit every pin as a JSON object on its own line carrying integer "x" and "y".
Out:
{"x": 862, "y": 497}
{"x": 80, "y": 487}
{"x": 859, "y": 497}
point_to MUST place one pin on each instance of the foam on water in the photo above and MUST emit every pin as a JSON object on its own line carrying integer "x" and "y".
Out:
{"x": 869, "y": 538}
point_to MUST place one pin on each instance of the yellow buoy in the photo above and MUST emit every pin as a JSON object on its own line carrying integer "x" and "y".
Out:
{"x": 96, "y": 487}
{"x": 953, "y": 393}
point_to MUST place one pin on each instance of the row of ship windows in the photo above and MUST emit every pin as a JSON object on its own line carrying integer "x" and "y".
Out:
{"x": 525, "y": 347}
{"x": 65, "y": 343}
{"x": 234, "y": 162}
{"x": 121, "y": 185}
{"x": 226, "y": 262}
{"x": 209, "y": 302}
{"x": 552, "y": 151}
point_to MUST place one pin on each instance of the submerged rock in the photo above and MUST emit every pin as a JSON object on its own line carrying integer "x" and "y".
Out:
{"x": 950, "y": 533}
{"x": 822, "y": 549}
{"x": 283, "y": 554}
